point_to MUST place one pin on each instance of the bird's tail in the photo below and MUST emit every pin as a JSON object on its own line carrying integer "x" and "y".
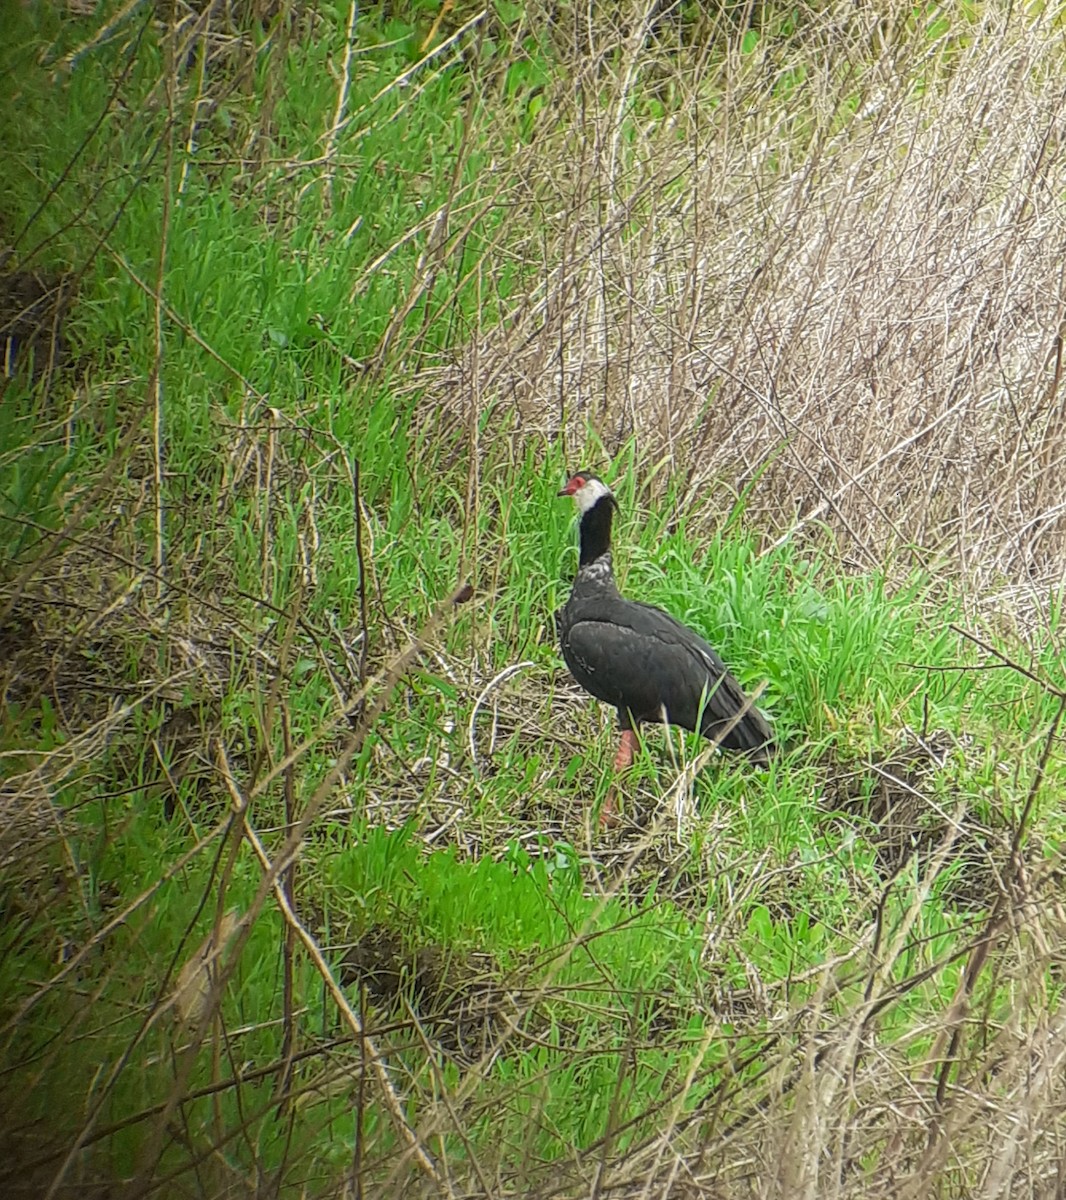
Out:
{"x": 748, "y": 733}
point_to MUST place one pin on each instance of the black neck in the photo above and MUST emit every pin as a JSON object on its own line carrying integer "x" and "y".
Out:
{"x": 596, "y": 530}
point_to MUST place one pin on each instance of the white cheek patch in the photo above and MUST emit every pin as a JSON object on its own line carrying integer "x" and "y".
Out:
{"x": 587, "y": 496}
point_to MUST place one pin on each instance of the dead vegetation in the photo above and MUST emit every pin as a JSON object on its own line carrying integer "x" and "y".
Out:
{"x": 857, "y": 325}
{"x": 839, "y": 292}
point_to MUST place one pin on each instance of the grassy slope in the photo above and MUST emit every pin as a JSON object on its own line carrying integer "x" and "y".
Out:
{"x": 650, "y": 971}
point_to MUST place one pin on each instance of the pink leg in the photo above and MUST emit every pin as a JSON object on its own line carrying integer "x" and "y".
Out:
{"x": 627, "y": 748}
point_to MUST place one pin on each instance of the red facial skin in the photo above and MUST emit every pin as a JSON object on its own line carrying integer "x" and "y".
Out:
{"x": 577, "y": 482}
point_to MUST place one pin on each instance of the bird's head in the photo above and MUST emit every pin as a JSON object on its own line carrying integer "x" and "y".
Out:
{"x": 587, "y": 489}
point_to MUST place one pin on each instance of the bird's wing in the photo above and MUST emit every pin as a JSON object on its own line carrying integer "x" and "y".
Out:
{"x": 643, "y": 671}
{"x": 642, "y": 660}
{"x": 752, "y": 732}
{"x": 657, "y": 621}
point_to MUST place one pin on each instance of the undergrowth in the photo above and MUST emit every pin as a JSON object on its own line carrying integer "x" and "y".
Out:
{"x": 303, "y": 884}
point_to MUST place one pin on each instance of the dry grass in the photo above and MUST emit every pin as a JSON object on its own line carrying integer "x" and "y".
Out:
{"x": 830, "y": 279}
{"x": 836, "y": 287}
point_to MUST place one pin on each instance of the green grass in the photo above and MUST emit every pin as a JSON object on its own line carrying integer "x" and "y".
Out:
{"x": 661, "y": 967}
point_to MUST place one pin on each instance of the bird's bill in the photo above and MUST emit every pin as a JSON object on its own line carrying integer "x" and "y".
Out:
{"x": 576, "y": 483}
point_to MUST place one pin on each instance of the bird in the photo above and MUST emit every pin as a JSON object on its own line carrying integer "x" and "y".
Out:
{"x": 640, "y": 659}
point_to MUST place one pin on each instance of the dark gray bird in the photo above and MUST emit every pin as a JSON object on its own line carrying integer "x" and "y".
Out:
{"x": 640, "y": 659}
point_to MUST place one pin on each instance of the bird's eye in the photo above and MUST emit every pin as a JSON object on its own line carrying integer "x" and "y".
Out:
{"x": 580, "y": 480}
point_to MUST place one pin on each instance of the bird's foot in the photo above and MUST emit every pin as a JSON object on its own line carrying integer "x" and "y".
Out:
{"x": 610, "y": 818}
